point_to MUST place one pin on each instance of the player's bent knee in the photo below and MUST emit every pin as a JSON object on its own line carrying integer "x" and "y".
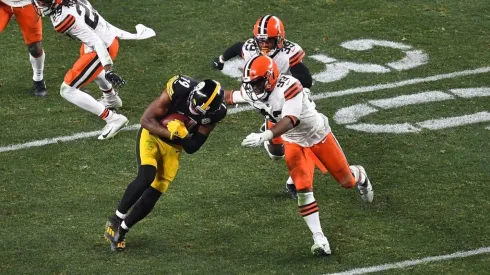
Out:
{"x": 161, "y": 185}
{"x": 66, "y": 91}
{"x": 146, "y": 174}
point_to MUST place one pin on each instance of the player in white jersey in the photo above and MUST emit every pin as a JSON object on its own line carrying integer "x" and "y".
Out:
{"x": 269, "y": 39}
{"x": 308, "y": 139}
{"x": 100, "y": 44}
{"x": 32, "y": 31}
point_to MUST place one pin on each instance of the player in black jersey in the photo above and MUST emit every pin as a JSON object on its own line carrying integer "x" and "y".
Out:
{"x": 158, "y": 148}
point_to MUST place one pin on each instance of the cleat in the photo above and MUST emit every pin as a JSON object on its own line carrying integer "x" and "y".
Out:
{"x": 114, "y": 124}
{"x": 111, "y": 228}
{"x": 321, "y": 247}
{"x": 39, "y": 88}
{"x": 119, "y": 246}
{"x": 291, "y": 190}
{"x": 363, "y": 183}
{"x": 111, "y": 101}
{"x": 113, "y": 234}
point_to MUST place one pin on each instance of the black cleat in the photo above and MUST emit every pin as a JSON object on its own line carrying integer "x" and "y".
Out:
{"x": 111, "y": 228}
{"x": 39, "y": 88}
{"x": 119, "y": 246}
{"x": 291, "y": 190}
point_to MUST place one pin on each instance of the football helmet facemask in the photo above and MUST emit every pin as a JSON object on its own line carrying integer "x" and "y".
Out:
{"x": 206, "y": 97}
{"x": 46, "y": 7}
{"x": 259, "y": 77}
{"x": 269, "y": 34}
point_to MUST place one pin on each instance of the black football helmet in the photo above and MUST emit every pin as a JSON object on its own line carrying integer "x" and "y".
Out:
{"x": 206, "y": 97}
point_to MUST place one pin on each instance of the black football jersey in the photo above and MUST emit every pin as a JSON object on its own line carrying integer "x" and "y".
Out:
{"x": 178, "y": 88}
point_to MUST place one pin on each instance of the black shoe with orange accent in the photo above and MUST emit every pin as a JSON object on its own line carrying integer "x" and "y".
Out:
{"x": 39, "y": 88}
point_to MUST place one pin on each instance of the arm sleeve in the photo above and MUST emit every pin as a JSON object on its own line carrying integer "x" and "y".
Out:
{"x": 302, "y": 73}
{"x": 88, "y": 37}
{"x": 235, "y": 50}
{"x": 192, "y": 144}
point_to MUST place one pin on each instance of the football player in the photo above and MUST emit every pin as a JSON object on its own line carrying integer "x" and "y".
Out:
{"x": 32, "y": 31}
{"x": 269, "y": 40}
{"x": 308, "y": 139}
{"x": 100, "y": 44}
{"x": 158, "y": 148}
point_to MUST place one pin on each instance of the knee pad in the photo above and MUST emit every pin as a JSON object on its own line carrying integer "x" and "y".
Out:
{"x": 66, "y": 91}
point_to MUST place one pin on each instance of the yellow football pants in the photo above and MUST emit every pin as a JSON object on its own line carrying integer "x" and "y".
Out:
{"x": 151, "y": 150}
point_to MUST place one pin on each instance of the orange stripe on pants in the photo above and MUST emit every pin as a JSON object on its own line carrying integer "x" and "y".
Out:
{"x": 81, "y": 73}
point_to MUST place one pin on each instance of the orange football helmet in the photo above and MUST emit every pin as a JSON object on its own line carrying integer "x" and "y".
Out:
{"x": 269, "y": 34}
{"x": 260, "y": 76}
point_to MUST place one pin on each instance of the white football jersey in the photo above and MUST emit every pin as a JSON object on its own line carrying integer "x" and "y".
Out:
{"x": 85, "y": 24}
{"x": 17, "y": 3}
{"x": 290, "y": 55}
{"x": 289, "y": 99}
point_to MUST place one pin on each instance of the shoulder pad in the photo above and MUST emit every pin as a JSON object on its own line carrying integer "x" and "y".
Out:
{"x": 290, "y": 86}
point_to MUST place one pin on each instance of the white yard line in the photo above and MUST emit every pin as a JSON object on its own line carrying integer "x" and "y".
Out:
{"x": 404, "y": 264}
{"x": 358, "y": 90}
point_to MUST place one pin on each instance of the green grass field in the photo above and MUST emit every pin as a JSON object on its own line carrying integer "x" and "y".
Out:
{"x": 226, "y": 212}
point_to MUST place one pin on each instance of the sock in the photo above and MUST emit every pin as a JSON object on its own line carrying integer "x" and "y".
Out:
{"x": 308, "y": 208}
{"x": 120, "y": 215}
{"x": 106, "y": 113}
{"x": 143, "y": 206}
{"x": 289, "y": 181}
{"x": 146, "y": 175}
{"x": 37, "y": 66}
{"x": 83, "y": 100}
{"x": 104, "y": 85}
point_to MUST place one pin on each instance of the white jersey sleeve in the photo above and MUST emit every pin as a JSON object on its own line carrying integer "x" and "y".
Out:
{"x": 249, "y": 49}
{"x": 17, "y": 3}
{"x": 74, "y": 25}
{"x": 294, "y": 52}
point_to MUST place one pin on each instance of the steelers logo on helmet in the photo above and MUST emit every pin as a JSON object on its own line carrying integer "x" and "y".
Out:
{"x": 206, "y": 97}
{"x": 269, "y": 35}
{"x": 259, "y": 77}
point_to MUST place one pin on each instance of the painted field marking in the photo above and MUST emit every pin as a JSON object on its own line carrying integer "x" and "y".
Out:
{"x": 404, "y": 264}
{"x": 358, "y": 90}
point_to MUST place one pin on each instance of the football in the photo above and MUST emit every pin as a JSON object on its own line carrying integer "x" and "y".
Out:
{"x": 188, "y": 122}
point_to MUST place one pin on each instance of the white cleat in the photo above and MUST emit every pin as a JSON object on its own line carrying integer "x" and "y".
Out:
{"x": 111, "y": 101}
{"x": 114, "y": 124}
{"x": 363, "y": 183}
{"x": 321, "y": 247}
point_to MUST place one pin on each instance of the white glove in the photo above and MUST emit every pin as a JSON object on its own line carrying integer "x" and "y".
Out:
{"x": 256, "y": 139}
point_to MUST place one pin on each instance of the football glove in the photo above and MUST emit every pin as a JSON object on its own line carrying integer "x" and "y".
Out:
{"x": 256, "y": 139}
{"x": 177, "y": 129}
{"x": 114, "y": 79}
{"x": 218, "y": 63}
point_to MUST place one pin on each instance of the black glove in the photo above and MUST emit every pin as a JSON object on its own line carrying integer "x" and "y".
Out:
{"x": 114, "y": 79}
{"x": 217, "y": 64}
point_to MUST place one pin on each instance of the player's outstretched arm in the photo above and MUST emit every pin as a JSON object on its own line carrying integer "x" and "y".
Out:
{"x": 235, "y": 50}
{"x": 150, "y": 119}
